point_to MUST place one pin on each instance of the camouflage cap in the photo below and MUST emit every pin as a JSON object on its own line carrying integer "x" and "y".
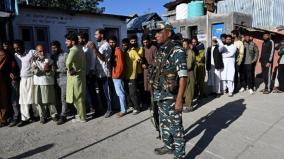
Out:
{"x": 158, "y": 25}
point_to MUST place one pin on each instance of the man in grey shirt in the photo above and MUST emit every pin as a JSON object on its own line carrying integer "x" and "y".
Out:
{"x": 59, "y": 66}
{"x": 247, "y": 71}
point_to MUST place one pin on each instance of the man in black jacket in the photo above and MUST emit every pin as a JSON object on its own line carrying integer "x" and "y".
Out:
{"x": 266, "y": 60}
{"x": 214, "y": 65}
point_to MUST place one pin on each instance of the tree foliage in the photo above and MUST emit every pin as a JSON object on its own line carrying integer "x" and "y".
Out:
{"x": 72, "y": 5}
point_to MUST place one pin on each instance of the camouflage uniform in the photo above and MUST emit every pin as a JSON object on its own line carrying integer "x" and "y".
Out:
{"x": 165, "y": 95}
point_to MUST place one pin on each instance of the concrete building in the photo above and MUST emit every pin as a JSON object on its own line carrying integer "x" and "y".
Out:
{"x": 8, "y": 9}
{"x": 222, "y": 16}
{"x": 204, "y": 27}
{"x": 42, "y": 25}
{"x": 208, "y": 25}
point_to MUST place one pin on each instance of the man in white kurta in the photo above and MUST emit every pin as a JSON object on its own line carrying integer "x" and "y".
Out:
{"x": 44, "y": 93}
{"x": 228, "y": 73}
{"x": 23, "y": 60}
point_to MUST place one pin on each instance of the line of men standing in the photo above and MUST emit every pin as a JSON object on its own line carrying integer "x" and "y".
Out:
{"x": 244, "y": 54}
{"x": 230, "y": 62}
{"x": 46, "y": 85}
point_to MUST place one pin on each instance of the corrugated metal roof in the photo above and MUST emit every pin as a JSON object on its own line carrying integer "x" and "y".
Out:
{"x": 243, "y": 6}
{"x": 136, "y": 23}
{"x": 225, "y": 6}
{"x": 261, "y": 13}
{"x": 265, "y": 13}
{"x": 278, "y": 13}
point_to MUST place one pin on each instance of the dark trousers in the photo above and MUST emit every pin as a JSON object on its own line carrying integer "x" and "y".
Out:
{"x": 15, "y": 100}
{"x": 200, "y": 81}
{"x": 266, "y": 75}
{"x": 238, "y": 70}
{"x": 132, "y": 99}
{"x": 253, "y": 73}
{"x": 61, "y": 105}
{"x": 141, "y": 90}
{"x": 90, "y": 93}
{"x": 281, "y": 76}
{"x": 105, "y": 82}
{"x": 247, "y": 76}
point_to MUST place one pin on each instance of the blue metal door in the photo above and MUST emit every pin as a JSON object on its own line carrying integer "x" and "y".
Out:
{"x": 218, "y": 29}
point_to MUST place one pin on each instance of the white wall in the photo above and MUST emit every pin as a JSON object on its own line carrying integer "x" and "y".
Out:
{"x": 58, "y": 21}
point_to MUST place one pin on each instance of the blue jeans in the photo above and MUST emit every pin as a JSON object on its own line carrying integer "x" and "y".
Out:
{"x": 118, "y": 85}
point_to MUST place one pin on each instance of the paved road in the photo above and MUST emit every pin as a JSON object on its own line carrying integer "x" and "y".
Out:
{"x": 244, "y": 127}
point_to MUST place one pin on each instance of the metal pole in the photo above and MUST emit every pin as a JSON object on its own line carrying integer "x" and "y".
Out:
{"x": 207, "y": 30}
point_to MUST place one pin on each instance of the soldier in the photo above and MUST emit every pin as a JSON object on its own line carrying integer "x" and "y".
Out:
{"x": 168, "y": 79}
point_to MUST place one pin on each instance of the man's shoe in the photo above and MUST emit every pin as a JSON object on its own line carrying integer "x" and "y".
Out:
{"x": 162, "y": 151}
{"x": 78, "y": 121}
{"x": 135, "y": 112}
{"x": 43, "y": 120}
{"x": 187, "y": 110}
{"x": 262, "y": 90}
{"x": 22, "y": 123}
{"x": 276, "y": 90}
{"x": 13, "y": 123}
{"x": 158, "y": 137}
{"x": 107, "y": 114}
{"x": 92, "y": 110}
{"x": 266, "y": 92}
{"x": 251, "y": 91}
{"x": 230, "y": 94}
{"x": 242, "y": 89}
{"x": 34, "y": 119}
{"x": 55, "y": 119}
{"x": 61, "y": 120}
{"x": 202, "y": 97}
{"x": 3, "y": 124}
{"x": 120, "y": 114}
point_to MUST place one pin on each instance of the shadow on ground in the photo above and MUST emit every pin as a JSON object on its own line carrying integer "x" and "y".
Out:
{"x": 211, "y": 124}
{"x": 204, "y": 101}
{"x": 97, "y": 142}
{"x": 33, "y": 151}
